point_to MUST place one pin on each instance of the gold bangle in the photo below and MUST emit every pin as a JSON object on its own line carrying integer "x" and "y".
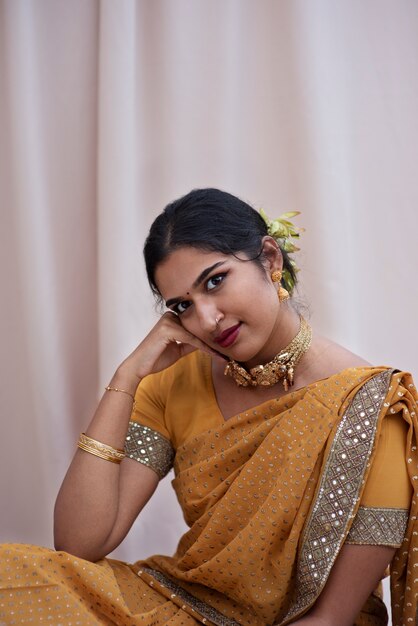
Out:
{"x": 97, "y": 448}
{"x": 108, "y": 388}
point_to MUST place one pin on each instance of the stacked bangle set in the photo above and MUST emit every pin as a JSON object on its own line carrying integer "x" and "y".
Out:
{"x": 97, "y": 448}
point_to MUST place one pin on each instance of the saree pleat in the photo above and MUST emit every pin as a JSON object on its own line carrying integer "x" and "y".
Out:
{"x": 270, "y": 496}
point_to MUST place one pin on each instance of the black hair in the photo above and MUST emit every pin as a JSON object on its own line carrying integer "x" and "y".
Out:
{"x": 207, "y": 219}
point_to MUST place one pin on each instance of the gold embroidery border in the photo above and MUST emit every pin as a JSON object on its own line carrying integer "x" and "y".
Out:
{"x": 149, "y": 447}
{"x": 378, "y": 526}
{"x": 199, "y": 609}
{"x": 339, "y": 493}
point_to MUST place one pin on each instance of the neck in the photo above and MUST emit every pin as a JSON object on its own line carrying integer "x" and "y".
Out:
{"x": 281, "y": 367}
{"x": 286, "y": 328}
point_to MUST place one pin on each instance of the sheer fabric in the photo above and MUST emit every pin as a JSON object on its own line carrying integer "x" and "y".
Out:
{"x": 108, "y": 111}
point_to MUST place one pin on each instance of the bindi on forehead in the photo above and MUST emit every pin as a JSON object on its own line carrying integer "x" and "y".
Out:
{"x": 197, "y": 282}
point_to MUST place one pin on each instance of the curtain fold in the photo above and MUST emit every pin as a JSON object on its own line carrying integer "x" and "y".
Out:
{"x": 48, "y": 208}
{"x": 109, "y": 110}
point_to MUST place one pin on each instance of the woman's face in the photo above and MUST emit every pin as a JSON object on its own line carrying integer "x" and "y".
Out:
{"x": 202, "y": 287}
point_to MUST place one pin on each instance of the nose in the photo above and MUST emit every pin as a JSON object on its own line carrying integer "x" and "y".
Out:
{"x": 208, "y": 316}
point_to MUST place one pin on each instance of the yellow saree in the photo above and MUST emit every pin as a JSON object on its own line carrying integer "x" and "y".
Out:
{"x": 270, "y": 497}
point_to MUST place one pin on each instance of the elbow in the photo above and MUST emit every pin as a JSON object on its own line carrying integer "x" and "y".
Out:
{"x": 77, "y": 543}
{"x": 79, "y": 551}
{"x": 82, "y": 547}
{"x": 78, "y": 548}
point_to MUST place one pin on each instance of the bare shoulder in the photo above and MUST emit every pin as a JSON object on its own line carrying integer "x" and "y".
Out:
{"x": 343, "y": 357}
{"x": 328, "y": 358}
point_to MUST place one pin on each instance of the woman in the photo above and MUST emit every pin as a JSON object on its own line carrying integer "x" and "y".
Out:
{"x": 294, "y": 459}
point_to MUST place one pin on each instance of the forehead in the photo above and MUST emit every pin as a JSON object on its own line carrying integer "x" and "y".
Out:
{"x": 177, "y": 273}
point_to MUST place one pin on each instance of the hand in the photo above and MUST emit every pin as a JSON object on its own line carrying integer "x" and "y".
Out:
{"x": 167, "y": 342}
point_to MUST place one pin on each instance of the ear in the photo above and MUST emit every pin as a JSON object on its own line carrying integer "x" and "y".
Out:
{"x": 272, "y": 254}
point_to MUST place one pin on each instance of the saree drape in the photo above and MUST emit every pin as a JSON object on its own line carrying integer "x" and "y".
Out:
{"x": 270, "y": 495}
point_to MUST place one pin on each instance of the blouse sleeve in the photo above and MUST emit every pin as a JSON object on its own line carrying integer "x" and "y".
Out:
{"x": 147, "y": 439}
{"x": 384, "y": 507}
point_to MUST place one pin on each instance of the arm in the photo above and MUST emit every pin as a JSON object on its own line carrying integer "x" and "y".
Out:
{"x": 98, "y": 500}
{"x": 355, "y": 574}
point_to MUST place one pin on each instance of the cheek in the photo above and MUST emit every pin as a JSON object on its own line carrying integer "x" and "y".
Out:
{"x": 191, "y": 324}
{"x": 261, "y": 293}
{"x": 256, "y": 304}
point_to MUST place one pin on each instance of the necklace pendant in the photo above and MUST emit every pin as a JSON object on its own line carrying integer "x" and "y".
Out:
{"x": 238, "y": 373}
{"x": 282, "y": 367}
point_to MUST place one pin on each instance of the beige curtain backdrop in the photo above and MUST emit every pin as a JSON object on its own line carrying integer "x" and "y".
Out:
{"x": 110, "y": 109}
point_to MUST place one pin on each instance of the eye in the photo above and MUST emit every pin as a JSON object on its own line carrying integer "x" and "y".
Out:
{"x": 181, "y": 307}
{"x": 215, "y": 281}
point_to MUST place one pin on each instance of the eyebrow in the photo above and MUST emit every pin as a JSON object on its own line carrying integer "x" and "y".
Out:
{"x": 197, "y": 282}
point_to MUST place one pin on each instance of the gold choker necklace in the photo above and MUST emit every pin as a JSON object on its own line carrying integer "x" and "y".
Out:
{"x": 281, "y": 367}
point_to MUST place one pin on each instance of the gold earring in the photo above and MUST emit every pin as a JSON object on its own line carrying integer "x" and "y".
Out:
{"x": 283, "y": 294}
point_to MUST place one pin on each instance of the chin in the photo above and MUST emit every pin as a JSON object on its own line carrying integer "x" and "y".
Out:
{"x": 243, "y": 356}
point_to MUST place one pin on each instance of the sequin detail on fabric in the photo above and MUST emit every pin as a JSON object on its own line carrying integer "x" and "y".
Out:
{"x": 205, "y": 611}
{"x": 378, "y": 527}
{"x": 339, "y": 492}
{"x": 149, "y": 447}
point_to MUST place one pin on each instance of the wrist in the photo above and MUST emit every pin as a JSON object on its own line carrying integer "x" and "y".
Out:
{"x": 123, "y": 379}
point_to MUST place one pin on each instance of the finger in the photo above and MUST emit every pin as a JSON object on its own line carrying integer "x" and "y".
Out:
{"x": 171, "y": 315}
{"x": 182, "y": 338}
{"x": 179, "y": 335}
{"x": 186, "y": 348}
{"x": 195, "y": 344}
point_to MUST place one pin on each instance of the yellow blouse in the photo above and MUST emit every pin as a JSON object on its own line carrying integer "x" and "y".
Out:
{"x": 180, "y": 403}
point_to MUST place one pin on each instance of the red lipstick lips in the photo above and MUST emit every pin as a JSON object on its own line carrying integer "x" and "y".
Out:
{"x": 228, "y": 336}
